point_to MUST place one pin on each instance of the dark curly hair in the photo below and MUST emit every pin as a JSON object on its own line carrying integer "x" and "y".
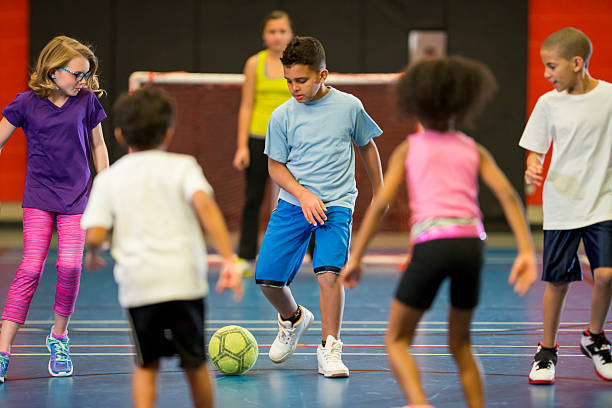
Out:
{"x": 441, "y": 93}
{"x": 144, "y": 117}
{"x": 305, "y": 51}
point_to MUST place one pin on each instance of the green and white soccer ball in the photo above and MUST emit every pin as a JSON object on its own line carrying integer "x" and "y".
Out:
{"x": 233, "y": 350}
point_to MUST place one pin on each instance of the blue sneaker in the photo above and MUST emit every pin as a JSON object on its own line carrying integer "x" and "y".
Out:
{"x": 60, "y": 364}
{"x": 4, "y": 360}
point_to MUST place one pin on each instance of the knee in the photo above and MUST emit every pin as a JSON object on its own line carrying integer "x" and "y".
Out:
{"x": 328, "y": 279}
{"x": 459, "y": 345}
{"x": 558, "y": 287}
{"x": 602, "y": 276}
{"x": 70, "y": 266}
{"x": 398, "y": 339}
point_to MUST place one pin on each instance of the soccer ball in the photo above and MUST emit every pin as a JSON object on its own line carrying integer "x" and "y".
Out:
{"x": 233, "y": 350}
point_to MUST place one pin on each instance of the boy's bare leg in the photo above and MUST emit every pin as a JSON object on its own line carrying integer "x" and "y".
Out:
{"x": 461, "y": 348}
{"x": 7, "y": 335}
{"x": 402, "y": 325}
{"x": 600, "y": 298}
{"x": 202, "y": 390}
{"x": 552, "y": 306}
{"x": 282, "y": 300}
{"x": 144, "y": 385}
{"x": 331, "y": 302}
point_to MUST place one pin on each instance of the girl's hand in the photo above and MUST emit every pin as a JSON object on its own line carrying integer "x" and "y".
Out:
{"x": 313, "y": 208}
{"x": 93, "y": 261}
{"x": 230, "y": 278}
{"x": 350, "y": 275}
{"x": 241, "y": 158}
{"x": 523, "y": 272}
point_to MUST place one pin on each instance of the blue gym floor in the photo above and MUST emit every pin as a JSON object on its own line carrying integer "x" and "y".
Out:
{"x": 505, "y": 331}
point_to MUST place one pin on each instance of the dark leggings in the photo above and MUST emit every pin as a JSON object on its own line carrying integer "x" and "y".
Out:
{"x": 255, "y": 187}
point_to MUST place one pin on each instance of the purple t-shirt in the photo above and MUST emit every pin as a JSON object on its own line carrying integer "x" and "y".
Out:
{"x": 57, "y": 175}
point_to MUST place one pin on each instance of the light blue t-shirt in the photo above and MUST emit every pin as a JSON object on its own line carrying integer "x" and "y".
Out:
{"x": 315, "y": 141}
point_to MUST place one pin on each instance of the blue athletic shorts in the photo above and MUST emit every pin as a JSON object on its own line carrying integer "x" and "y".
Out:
{"x": 560, "y": 258}
{"x": 286, "y": 241}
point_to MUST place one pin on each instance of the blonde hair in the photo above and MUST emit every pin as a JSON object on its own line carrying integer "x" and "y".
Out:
{"x": 570, "y": 42}
{"x": 57, "y": 54}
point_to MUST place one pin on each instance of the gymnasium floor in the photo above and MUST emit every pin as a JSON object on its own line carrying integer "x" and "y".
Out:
{"x": 506, "y": 330}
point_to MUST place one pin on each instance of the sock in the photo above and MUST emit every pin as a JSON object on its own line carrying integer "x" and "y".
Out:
{"x": 5, "y": 353}
{"x": 63, "y": 337}
{"x": 296, "y": 316}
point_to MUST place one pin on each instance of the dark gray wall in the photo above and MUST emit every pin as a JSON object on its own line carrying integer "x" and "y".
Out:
{"x": 359, "y": 36}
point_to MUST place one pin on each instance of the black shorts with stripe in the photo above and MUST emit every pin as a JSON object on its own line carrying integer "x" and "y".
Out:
{"x": 167, "y": 329}
{"x": 459, "y": 259}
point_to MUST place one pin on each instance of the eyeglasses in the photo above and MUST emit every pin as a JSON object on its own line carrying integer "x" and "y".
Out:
{"x": 78, "y": 76}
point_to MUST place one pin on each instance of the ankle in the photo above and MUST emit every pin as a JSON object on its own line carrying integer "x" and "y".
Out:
{"x": 294, "y": 317}
{"x": 61, "y": 337}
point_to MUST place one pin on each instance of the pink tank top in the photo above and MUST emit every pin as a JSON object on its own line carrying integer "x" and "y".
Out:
{"x": 442, "y": 182}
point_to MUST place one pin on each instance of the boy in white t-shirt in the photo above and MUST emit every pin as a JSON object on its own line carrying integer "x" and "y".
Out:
{"x": 156, "y": 203}
{"x": 577, "y": 195}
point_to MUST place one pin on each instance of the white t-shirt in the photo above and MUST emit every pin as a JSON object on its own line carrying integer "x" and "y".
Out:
{"x": 158, "y": 243}
{"x": 578, "y": 187}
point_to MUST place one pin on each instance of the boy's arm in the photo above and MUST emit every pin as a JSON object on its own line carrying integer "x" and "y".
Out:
{"x": 94, "y": 239}
{"x": 371, "y": 160}
{"x": 351, "y": 273}
{"x": 533, "y": 172}
{"x": 523, "y": 272}
{"x": 212, "y": 220}
{"x": 312, "y": 206}
{"x": 98, "y": 147}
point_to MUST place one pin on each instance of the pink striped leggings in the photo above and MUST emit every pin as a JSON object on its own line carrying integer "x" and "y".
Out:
{"x": 37, "y": 231}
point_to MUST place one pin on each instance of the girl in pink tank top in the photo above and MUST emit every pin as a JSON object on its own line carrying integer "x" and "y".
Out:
{"x": 440, "y": 167}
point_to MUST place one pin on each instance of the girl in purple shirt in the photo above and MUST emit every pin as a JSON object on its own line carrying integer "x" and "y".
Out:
{"x": 60, "y": 116}
{"x": 440, "y": 167}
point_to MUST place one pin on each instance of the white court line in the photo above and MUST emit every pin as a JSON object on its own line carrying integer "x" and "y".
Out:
{"x": 372, "y": 322}
{"x": 274, "y": 329}
{"x": 314, "y": 354}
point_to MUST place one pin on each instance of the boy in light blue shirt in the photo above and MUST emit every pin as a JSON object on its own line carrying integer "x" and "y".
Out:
{"x": 309, "y": 144}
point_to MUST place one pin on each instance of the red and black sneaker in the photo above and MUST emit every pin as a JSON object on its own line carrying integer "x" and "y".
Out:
{"x": 597, "y": 348}
{"x": 543, "y": 369}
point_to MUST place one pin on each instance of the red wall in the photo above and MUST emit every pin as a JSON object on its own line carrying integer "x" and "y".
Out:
{"x": 14, "y": 32}
{"x": 545, "y": 17}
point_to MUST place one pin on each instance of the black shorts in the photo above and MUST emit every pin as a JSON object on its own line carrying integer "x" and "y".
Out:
{"x": 460, "y": 259}
{"x": 560, "y": 257}
{"x": 167, "y": 329}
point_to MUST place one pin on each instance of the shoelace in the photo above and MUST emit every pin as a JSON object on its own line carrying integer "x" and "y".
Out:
{"x": 61, "y": 350}
{"x": 3, "y": 363}
{"x": 544, "y": 364}
{"x": 334, "y": 353}
{"x": 284, "y": 335}
{"x": 603, "y": 351}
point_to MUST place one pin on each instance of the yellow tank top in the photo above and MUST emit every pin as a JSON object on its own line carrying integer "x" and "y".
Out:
{"x": 269, "y": 94}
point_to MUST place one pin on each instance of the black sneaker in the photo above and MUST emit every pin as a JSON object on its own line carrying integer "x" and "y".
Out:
{"x": 543, "y": 369}
{"x": 597, "y": 348}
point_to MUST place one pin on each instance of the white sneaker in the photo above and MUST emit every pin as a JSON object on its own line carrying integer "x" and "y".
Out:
{"x": 330, "y": 358}
{"x": 543, "y": 368}
{"x": 597, "y": 348}
{"x": 288, "y": 335}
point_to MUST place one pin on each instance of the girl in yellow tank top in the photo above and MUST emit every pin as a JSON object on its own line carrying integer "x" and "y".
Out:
{"x": 263, "y": 90}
